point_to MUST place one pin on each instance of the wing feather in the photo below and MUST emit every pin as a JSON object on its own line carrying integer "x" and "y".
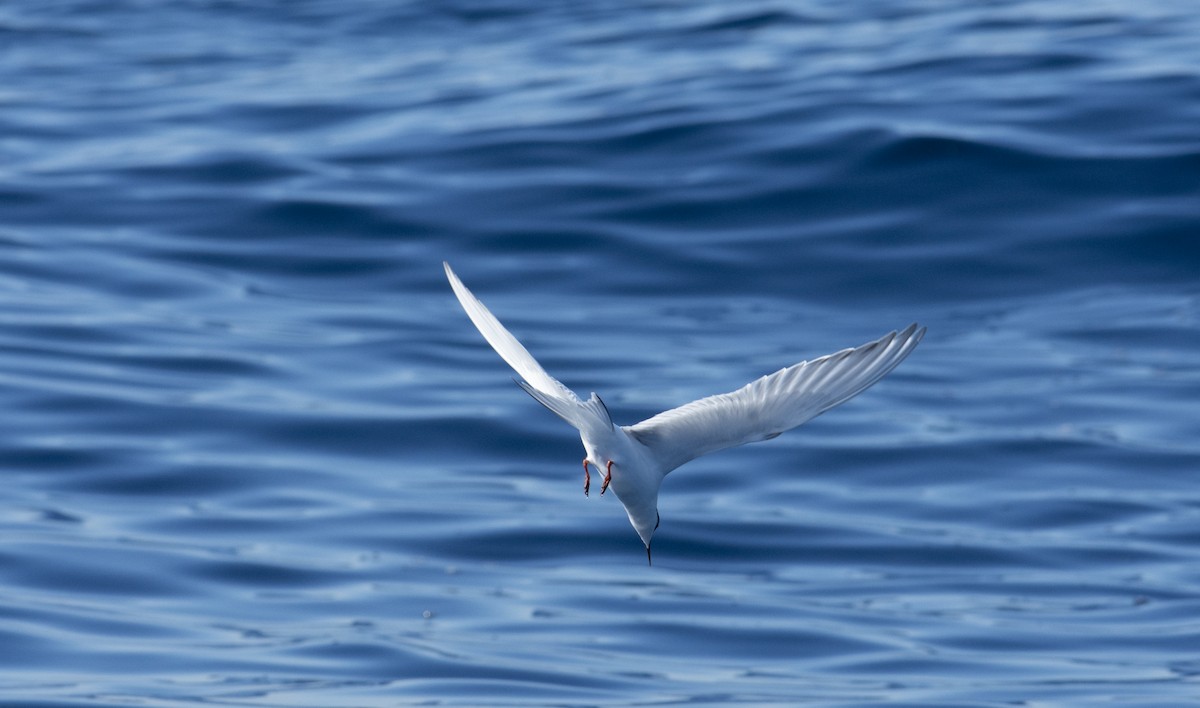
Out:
{"x": 544, "y": 388}
{"x": 777, "y": 402}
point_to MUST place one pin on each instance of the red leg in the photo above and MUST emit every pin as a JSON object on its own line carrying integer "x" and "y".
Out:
{"x": 587, "y": 478}
{"x": 607, "y": 479}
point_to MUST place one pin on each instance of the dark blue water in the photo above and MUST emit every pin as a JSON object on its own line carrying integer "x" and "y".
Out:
{"x": 253, "y": 453}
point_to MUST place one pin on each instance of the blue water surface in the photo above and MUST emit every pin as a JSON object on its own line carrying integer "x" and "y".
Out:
{"x": 254, "y": 454}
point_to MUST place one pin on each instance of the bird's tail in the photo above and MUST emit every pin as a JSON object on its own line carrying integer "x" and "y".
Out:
{"x": 590, "y": 416}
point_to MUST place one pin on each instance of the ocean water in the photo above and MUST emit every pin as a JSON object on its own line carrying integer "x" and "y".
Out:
{"x": 254, "y": 454}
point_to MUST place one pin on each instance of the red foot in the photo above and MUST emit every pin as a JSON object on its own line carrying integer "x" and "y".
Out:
{"x": 587, "y": 478}
{"x": 607, "y": 479}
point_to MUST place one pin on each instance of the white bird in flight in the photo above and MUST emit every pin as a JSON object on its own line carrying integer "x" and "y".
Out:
{"x": 636, "y": 458}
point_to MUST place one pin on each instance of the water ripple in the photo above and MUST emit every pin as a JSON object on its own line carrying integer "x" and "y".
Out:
{"x": 255, "y": 455}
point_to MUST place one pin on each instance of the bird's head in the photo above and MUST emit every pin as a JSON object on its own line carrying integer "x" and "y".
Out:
{"x": 645, "y": 526}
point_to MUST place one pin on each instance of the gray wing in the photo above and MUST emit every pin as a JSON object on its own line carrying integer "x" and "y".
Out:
{"x": 767, "y": 407}
{"x": 584, "y": 415}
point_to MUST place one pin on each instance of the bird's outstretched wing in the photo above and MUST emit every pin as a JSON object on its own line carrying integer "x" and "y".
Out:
{"x": 775, "y": 403}
{"x": 584, "y": 415}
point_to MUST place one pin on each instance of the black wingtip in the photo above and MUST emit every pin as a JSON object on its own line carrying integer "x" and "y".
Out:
{"x": 648, "y": 561}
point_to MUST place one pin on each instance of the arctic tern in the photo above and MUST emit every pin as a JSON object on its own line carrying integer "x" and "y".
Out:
{"x": 636, "y": 458}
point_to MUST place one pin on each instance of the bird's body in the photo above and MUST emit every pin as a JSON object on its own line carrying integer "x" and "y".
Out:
{"x": 636, "y": 476}
{"x": 635, "y": 459}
